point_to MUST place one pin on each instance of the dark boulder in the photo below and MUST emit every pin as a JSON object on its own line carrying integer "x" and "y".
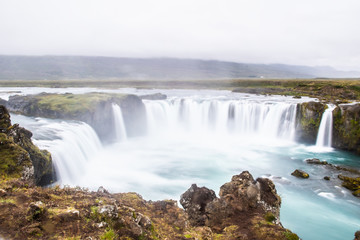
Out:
{"x": 316, "y": 161}
{"x": 194, "y": 201}
{"x": 357, "y": 235}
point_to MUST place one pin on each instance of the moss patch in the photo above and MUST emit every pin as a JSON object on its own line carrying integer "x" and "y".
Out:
{"x": 72, "y": 105}
{"x": 13, "y": 158}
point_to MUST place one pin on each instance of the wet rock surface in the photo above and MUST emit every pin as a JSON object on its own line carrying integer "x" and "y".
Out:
{"x": 308, "y": 118}
{"x": 346, "y": 127}
{"x": 316, "y": 161}
{"x": 300, "y": 174}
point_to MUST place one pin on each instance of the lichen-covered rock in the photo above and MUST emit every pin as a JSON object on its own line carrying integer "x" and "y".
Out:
{"x": 5, "y": 122}
{"x": 243, "y": 204}
{"x": 308, "y": 118}
{"x": 351, "y": 183}
{"x": 300, "y": 174}
{"x": 242, "y": 192}
{"x": 194, "y": 201}
{"x": 346, "y": 127}
{"x": 20, "y": 157}
{"x": 316, "y": 161}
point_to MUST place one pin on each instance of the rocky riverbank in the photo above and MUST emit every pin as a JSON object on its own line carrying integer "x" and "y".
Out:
{"x": 246, "y": 209}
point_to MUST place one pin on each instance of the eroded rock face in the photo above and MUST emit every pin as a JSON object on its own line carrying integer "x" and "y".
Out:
{"x": 240, "y": 200}
{"x": 20, "y": 157}
{"x": 194, "y": 201}
{"x": 346, "y": 127}
{"x": 308, "y": 118}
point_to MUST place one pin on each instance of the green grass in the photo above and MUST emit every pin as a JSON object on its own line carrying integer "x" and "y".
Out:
{"x": 325, "y": 88}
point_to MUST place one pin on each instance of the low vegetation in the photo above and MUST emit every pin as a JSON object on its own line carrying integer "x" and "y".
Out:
{"x": 326, "y": 89}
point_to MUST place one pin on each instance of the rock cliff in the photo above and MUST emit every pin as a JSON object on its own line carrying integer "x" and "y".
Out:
{"x": 92, "y": 108}
{"x": 308, "y": 118}
{"x": 346, "y": 127}
{"x": 19, "y": 157}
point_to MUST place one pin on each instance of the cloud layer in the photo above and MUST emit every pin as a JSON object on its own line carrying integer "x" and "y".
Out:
{"x": 322, "y": 32}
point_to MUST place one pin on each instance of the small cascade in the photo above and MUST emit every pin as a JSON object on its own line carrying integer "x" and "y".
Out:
{"x": 72, "y": 146}
{"x": 324, "y": 136}
{"x": 244, "y": 117}
{"x": 119, "y": 124}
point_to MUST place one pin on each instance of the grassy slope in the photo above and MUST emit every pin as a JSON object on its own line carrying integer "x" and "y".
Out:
{"x": 73, "y": 104}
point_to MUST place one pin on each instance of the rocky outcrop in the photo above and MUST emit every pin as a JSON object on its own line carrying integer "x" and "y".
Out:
{"x": 316, "y": 161}
{"x": 351, "y": 183}
{"x": 244, "y": 207}
{"x": 247, "y": 209}
{"x": 20, "y": 157}
{"x": 346, "y": 127}
{"x": 92, "y": 108}
{"x": 308, "y": 118}
{"x": 194, "y": 201}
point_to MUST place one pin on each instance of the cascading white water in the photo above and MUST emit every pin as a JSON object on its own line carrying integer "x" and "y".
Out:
{"x": 119, "y": 125}
{"x": 324, "y": 136}
{"x": 222, "y": 116}
{"x": 206, "y": 138}
{"x": 73, "y": 146}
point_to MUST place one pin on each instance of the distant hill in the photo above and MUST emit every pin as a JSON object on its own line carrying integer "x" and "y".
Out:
{"x": 77, "y": 67}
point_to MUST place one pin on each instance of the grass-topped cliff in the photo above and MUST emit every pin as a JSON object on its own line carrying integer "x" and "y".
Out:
{"x": 63, "y": 106}
{"x": 92, "y": 108}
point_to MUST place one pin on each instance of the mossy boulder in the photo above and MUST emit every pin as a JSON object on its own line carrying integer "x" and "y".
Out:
{"x": 346, "y": 127}
{"x": 19, "y": 157}
{"x": 300, "y": 174}
{"x": 351, "y": 183}
{"x": 308, "y": 118}
{"x": 92, "y": 108}
{"x": 14, "y": 160}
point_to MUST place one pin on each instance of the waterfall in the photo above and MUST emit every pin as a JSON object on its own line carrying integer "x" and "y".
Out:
{"x": 324, "y": 136}
{"x": 71, "y": 147}
{"x": 119, "y": 125}
{"x": 244, "y": 117}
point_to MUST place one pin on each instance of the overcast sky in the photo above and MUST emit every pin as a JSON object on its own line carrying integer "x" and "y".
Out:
{"x": 303, "y": 32}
